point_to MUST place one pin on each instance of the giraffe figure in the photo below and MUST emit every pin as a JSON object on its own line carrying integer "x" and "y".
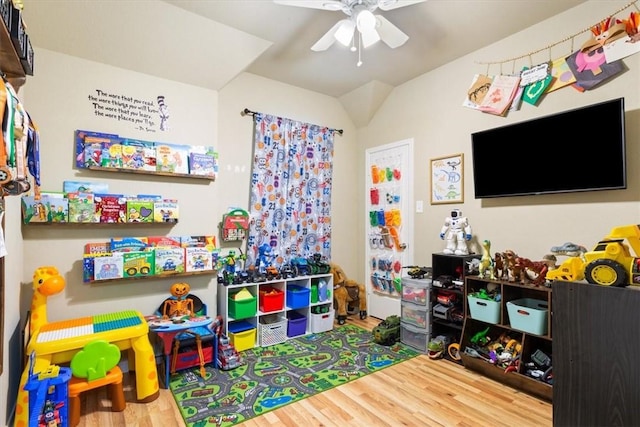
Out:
{"x": 46, "y": 281}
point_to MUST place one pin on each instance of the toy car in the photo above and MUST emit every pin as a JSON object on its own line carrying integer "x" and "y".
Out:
{"x": 388, "y": 331}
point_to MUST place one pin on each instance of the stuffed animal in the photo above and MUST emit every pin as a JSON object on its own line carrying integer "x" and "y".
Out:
{"x": 347, "y": 293}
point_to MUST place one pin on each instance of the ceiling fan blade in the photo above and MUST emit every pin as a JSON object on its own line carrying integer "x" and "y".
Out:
{"x": 394, "y": 4}
{"x": 329, "y": 37}
{"x": 369, "y": 37}
{"x": 313, "y": 4}
{"x": 389, "y": 33}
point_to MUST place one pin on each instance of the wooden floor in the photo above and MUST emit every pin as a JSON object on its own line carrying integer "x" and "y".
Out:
{"x": 417, "y": 392}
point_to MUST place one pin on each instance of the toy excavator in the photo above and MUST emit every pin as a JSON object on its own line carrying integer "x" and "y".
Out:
{"x": 609, "y": 263}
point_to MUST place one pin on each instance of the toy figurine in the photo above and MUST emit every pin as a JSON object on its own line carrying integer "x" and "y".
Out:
{"x": 179, "y": 305}
{"x": 265, "y": 258}
{"x": 229, "y": 262}
{"x": 456, "y": 231}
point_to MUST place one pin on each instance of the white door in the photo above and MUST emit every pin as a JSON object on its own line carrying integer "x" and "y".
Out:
{"x": 389, "y": 217}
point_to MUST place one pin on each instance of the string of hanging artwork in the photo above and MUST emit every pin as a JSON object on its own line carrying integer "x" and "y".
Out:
{"x": 596, "y": 61}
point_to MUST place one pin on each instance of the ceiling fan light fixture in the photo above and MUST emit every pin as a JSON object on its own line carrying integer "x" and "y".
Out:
{"x": 369, "y": 37}
{"x": 344, "y": 34}
{"x": 365, "y": 21}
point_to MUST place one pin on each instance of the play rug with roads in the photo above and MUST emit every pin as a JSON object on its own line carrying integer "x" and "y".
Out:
{"x": 275, "y": 376}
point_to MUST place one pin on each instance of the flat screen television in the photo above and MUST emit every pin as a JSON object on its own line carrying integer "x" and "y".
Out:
{"x": 576, "y": 150}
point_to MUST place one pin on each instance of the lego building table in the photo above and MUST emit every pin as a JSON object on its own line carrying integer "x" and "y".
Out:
{"x": 167, "y": 329}
{"x": 58, "y": 342}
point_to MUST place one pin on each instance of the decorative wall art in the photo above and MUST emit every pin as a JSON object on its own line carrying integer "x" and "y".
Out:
{"x": 447, "y": 179}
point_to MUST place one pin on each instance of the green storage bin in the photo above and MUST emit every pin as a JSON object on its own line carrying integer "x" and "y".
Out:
{"x": 244, "y": 308}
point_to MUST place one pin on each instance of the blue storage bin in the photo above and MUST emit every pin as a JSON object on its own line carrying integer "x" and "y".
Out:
{"x": 296, "y": 324}
{"x": 297, "y": 296}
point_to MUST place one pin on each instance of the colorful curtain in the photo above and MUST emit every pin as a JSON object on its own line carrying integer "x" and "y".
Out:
{"x": 290, "y": 201}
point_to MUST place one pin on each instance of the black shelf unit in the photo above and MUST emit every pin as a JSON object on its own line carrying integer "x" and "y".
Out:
{"x": 448, "y": 302}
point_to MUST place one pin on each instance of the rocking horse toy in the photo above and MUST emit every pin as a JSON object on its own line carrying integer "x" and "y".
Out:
{"x": 346, "y": 294}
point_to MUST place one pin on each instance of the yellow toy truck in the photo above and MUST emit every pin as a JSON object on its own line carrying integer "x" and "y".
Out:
{"x": 609, "y": 263}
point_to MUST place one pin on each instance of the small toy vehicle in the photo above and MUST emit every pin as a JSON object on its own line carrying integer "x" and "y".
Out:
{"x": 416, "y": 272}
{"x": 317, "y": 265}
{"x": 228, "y": 357}
{"x": 272, "y": 273}
{"x": 388, "y": 331}
{"x": 287, "y": 272}
{"x": 300, "y": 266}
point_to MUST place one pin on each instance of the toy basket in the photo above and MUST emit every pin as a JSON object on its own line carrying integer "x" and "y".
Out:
{"x": 273, "y": 332}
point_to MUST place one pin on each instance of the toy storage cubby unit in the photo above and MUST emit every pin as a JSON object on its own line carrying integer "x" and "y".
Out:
{"x": 448, "y": 304}
{"x": 276, "y": 310}
{"x": 517, "y": 326}
{"x": 415, "y": 313}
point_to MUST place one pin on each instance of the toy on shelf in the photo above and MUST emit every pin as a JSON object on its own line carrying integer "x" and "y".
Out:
{"x": 456, "y": 231}
{"x": 264, "y": 263}
{"x": 230, "y": 272}
{"x": 180, "y": 305}
{"x": 347, "y": 292}
{"x": 417, "y": 272}
{"x": 487, "y": 264}
{"x": 234, "y": 225}
{"x": 318, "y": 265}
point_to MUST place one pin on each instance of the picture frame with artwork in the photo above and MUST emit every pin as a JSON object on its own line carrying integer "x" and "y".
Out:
{"x": 447, "y": 179}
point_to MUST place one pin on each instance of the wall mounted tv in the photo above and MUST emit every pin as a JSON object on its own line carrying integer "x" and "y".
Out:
{"x": 577, "y": 150}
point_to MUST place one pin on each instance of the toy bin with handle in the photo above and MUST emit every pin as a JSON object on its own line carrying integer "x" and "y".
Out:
{"x": 528, "y": 315}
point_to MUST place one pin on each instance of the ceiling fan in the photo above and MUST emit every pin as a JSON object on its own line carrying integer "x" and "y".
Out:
{"x": 371, "y": 28}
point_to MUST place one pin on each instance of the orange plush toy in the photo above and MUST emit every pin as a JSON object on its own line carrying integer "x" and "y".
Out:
{"x": 347, "y": 294}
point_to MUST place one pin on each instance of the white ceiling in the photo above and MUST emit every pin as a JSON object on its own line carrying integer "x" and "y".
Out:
{"x": 207, "y": 43}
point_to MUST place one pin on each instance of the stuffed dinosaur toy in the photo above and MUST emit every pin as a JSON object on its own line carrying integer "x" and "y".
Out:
{"x": 347, "y": 295}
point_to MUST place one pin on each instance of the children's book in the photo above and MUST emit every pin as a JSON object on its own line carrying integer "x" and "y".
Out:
{"x": 138, "y": 154}
{"x": 58, "y": 206}
{"x": 139, "y": 211}
{"x": 111, "y": 154}
{"x": 111, "y": 208}
{"x": 108, "y": 267}
{"x": 169, "y": 260}
{"x": 198, "y": 259}
{"x": 202, "y": 161}
{"x": 85, "y": 187}
{"x": 163, "y": 241}
{"x": 82, "y": 211}
{"x": 173, "y": 158}
{"x": 128, "y": 244}
{"x": 165, "y": 211}
{"x": 80, "y": 136}
{"x": 35, "y": 210}
{"x": 138, "y": 264}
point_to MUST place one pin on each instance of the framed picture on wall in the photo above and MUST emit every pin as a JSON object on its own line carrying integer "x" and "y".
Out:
{"x": 447, "y": 179}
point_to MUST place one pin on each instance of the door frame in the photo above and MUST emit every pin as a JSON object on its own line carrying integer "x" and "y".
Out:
{"x": 379, "y": 305}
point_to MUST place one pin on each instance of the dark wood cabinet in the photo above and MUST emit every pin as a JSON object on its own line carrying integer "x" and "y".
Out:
{"x": 596, "y": 365}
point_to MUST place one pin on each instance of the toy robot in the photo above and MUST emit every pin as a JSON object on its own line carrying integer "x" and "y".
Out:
{"x": 456, "y": 231}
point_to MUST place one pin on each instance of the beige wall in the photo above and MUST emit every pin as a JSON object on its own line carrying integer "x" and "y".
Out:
{"x": 427, "y": 109}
